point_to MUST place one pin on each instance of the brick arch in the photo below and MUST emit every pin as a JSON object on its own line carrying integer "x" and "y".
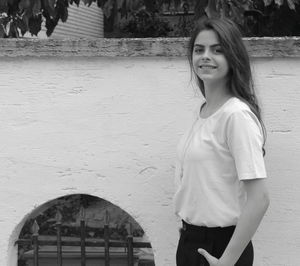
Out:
{"x": 94, "y": 206}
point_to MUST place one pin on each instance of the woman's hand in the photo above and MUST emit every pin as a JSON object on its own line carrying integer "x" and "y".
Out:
{"x": 211, "y": 259}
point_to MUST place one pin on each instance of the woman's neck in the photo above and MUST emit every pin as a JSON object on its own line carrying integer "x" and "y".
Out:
{"x": 216, "y": 94}
{"x": 215, "y": 97}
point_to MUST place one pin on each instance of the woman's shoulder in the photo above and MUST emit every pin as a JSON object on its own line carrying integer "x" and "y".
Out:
{"x": 239, "y": 113}
{"x": 237, "y": 106}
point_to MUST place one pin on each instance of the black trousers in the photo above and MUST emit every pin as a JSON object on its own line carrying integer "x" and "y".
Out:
{"x": 212, "y": 239}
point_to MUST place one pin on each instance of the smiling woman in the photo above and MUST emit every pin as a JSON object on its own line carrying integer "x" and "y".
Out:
{"x": 220, "y": 166}
{"x": 209, "y": 62}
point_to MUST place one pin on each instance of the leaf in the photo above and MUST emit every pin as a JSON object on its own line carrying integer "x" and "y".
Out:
{"x": 107, "y": 8}
{"x": 245, "y": 4}
{"x": 3, "y": 9}
{"x": 91, "y": 1}
{"x": 135, "y": 4}
{"x": 61, "y": 9}
{"x": 2, "y": 32}
{"x": 291, "y": 4}
{"x": 7, "y": 27}
{"x": 177, "y": 3}
{"x": 64, "y": 14}
{"x": 24, "y": 4}
{"x": 49, "y": 7}
{"x": 279, "y": 2}
{"x": 50, "y": 22}
{"x": 120, "y": 4}
{"x": 3, "y": 2}
{"x": 268, "y": 2}
{"x": 75, "y": 1}
{"x": 36, "y": 9}
{"x": 88, "y": 2}
{"x": 123, "y": 10}
{"x": 211, "y": 9}
{"x": 35, "y": 25}
{"x": 237, "y": 13}
{"x": 22, "y": 24}
{"x": 101, "y": 3}
{"x": 200, "y": 8}
{"x": 50, "y": 26}
{"x": 150, "y": 5}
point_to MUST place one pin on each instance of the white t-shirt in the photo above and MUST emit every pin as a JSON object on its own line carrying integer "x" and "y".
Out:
{"x": 212, "y": 159}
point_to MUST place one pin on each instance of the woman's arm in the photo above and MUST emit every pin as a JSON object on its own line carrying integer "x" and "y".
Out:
{"x": 251, "y": 216}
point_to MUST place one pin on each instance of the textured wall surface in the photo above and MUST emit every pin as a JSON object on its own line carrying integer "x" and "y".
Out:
{"x": 109, "y": 127}
{"x": 267, "y": 47}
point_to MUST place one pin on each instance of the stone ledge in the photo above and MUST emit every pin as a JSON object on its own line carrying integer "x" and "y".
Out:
{"x": 162, "y": 47}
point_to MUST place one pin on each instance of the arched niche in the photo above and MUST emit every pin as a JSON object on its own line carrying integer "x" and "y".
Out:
{"x": 70, "y": 210}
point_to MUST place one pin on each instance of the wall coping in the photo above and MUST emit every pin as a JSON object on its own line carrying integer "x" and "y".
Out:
{"x": 154, "y": 47}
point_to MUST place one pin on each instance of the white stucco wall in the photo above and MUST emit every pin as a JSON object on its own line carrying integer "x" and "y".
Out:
{"x": 109, "y": 127}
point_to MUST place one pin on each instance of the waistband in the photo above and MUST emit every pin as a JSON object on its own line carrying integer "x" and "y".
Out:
{"x": 191, "y": 227}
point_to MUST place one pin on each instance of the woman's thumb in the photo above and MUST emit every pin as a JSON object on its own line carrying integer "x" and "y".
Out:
{"x": 204, "y": 253}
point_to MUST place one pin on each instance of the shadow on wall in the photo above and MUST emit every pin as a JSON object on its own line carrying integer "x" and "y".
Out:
{"x": 78, "y": 227}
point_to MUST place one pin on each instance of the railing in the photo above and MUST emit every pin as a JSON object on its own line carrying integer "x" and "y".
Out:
{"x": 37, "y": 241}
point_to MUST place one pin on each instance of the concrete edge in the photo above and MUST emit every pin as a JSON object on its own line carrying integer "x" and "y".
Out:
{"x": 146, "y": 47}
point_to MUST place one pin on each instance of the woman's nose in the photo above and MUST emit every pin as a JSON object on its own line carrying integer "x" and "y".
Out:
{"x": 206, "y": 54}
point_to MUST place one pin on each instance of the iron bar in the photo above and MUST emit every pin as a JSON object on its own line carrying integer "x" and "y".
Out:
{"x": 35, "y": 236}
{"x": 130, "y": 246}
{"x": 82, "y": 237}
{"x": 59, "y": 242}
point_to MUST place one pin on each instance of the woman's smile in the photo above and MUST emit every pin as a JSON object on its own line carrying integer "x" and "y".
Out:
{"x": 207, "y": 67}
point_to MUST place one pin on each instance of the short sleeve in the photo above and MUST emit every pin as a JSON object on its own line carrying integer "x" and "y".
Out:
{"x": 245, "y": 141}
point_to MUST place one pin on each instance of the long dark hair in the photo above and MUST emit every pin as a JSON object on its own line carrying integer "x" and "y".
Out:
{"x": 239, "y": 82}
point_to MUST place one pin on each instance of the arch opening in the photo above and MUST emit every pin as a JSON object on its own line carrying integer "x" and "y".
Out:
{"x": 68, "y": 213}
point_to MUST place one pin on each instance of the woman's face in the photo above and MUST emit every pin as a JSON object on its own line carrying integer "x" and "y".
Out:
{"x": 209, "y": 61}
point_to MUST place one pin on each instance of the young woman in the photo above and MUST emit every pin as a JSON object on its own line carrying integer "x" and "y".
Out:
{"x": 221, "y": 195}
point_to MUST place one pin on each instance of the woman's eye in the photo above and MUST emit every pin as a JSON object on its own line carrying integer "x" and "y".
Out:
{"x": 198, "y": 50}
{"x": 219, "y": 50}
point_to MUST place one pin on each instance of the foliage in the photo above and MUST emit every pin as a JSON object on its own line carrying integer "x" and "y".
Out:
{"x": 273, "y": 18}
{"x": 20, "y": 16}
{"x": 278, "y": 3}
{"x": 255, "y": 17}
{"x": 144, "y": 24}
{"x": 70, "y": 207}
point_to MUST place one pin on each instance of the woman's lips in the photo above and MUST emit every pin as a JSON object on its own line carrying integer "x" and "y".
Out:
{"x": 207, "y": 67}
